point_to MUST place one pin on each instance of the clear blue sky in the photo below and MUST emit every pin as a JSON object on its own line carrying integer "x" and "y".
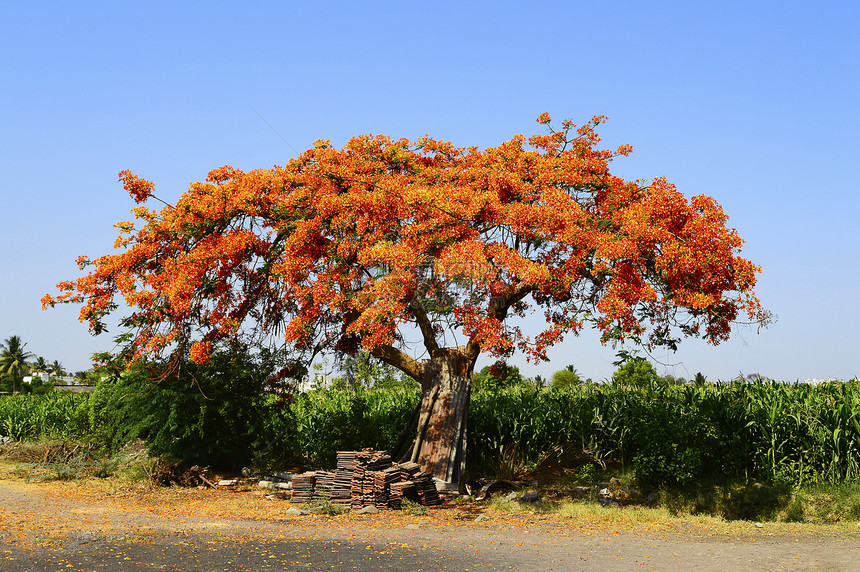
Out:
{"x": 754, "y": 103}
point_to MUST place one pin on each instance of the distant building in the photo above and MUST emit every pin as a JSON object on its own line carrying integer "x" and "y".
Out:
{"x": 42, "y": 375}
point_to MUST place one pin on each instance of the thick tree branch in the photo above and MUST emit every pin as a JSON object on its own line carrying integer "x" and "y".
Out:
{"x": 399, "y": 359}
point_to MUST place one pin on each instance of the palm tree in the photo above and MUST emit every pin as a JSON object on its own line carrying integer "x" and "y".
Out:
{"x": 40, "y": 364}
{"x": 57, "y": 369}
{"x": 13, "y": 358}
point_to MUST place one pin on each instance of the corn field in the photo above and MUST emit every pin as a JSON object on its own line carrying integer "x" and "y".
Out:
{"x": 31, "y": 417}
{"x": 780, "y": 432}
{"x": 783, "y": 433}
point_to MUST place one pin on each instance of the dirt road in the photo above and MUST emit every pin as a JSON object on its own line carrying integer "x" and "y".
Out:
{"x": 84, "y": 527}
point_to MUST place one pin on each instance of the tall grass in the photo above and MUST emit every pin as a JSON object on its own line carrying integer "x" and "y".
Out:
{"x": 782, "y": 433}
{"x": 327, "y": 421}
{"x": 52, "y": 415}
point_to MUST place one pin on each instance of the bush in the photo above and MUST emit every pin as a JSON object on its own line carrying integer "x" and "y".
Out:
{"x": 565, "y": 378}
{"x": 500, "y": 375}
{"x": 636, "y": 372}
{"x": 216, "y": 413}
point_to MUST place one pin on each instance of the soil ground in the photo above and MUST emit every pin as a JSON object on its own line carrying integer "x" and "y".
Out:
{"x": 104, "y": 526}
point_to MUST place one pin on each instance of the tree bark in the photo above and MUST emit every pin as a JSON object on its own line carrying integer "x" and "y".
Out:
{"x": 440, "y": 443}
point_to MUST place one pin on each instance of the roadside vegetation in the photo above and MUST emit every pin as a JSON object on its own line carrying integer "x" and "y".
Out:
{"x": 751, "y": 449}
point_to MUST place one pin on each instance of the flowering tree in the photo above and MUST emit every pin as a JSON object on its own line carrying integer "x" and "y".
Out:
{"x": 386, "y": 240}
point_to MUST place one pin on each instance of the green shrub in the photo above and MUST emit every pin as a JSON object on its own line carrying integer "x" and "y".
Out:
{"x": 217, "y": 413}
{"x": 636, "y": 372}
{"x": 498, "y": 376}
{"x": 565, "y": 378}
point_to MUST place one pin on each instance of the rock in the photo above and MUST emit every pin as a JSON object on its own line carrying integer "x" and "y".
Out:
{"x": 482, "y": 518}
{"x": 511, "y": 497}
{"x": 296, "y": 511}
{"x": 369, "y": 509}
{"x": 266, "y": 485}
{"x": 759, "y": 525}
{"x": 530, "y": 497}
{"x": 228, "y": 483}
{"x": 412, "y": 527}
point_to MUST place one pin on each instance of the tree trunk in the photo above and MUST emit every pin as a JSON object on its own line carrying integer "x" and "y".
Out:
{"x": 440, "y": 443}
